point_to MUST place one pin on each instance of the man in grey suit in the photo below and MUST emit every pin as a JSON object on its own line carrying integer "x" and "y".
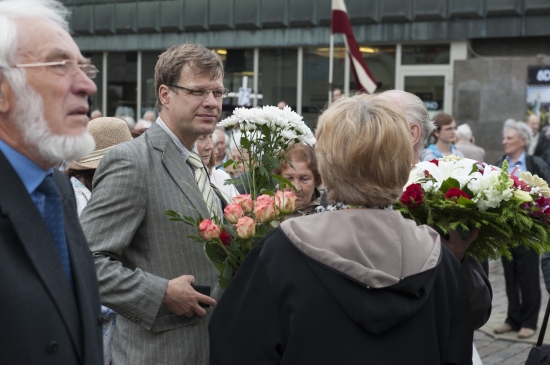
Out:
{"x": 146, "y": 265}
{"x": 49, "y": 312}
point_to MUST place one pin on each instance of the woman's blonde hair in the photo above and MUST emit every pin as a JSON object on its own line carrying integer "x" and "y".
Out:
{"x": 364, "y": 150}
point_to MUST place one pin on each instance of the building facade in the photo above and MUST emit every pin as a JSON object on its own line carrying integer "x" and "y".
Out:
{"x": 464, "y": 57}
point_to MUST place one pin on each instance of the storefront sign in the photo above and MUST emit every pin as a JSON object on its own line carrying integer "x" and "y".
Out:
{"x": 538, "y": 92}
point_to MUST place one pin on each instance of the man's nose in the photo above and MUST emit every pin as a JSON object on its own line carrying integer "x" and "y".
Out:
{"x": 210, "y": 101}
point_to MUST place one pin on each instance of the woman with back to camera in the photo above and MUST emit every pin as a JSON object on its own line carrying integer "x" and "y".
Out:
{"x": 356, "y": 284}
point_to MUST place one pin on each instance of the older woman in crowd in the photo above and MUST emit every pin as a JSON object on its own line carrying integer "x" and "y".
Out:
{"x": 303, "y": 173}
{"x": 205, "y": 147}
{"x": 358, "y": 282}
{"x": 522, "y": 273}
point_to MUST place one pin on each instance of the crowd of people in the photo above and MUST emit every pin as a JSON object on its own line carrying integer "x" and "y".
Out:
{"x": 93, "y": 271}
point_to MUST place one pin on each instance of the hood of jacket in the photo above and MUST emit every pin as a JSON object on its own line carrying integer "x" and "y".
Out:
{"x": 378, "y": 265}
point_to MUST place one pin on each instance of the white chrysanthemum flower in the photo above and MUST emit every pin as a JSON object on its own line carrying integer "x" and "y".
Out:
{"x": 284, "y": 121}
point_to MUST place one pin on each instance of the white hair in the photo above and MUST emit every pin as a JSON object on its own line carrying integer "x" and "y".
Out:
{"x": 415, "y": 113}
{"x": 28, "y": 113}
{"x": 464, "y": 131}
{"x": 523, "y": 130}
{"x": 215, "y": 137}
{"x": 11, "y": 10}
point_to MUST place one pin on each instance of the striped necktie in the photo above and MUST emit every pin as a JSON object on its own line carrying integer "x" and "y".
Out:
{"x": 201, "y": 177}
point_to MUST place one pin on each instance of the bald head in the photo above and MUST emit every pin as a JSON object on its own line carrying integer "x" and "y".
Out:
{"x": 534, "y": 122}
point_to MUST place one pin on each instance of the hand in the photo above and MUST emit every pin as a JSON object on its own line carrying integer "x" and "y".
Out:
{"x": 180, "y": 297}
{"x": 457, "y": 245}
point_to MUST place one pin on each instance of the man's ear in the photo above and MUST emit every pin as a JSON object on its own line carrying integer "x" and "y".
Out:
{"x": 415, "y": 133}
{"x": 6, "y": 96}
{"x": 164, "y": 96}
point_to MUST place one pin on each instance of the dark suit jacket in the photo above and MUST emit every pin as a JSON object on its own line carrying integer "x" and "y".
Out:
{"x": 41, "y": 320}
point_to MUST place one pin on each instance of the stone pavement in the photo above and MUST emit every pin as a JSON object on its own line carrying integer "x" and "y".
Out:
{"x": 503, "y": 352}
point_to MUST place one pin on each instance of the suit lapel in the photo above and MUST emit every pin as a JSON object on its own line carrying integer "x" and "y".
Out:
{"x": 177, "y": 168}
{"x": 18, "y": 206}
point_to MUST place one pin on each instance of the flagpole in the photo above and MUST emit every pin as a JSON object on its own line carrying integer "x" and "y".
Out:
{"x": 330, "y": 66}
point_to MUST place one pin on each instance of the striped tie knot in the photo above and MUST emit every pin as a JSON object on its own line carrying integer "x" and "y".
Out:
{"x": 203, "y": 182}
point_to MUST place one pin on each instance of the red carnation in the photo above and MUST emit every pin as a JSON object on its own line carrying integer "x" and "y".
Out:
{"x": 225, "y": 238}
{"x": 455, "y": 193}
{"x": 435, "y": 162}
{"x": 412, "y": 196}
{"x": 519, "y": 184}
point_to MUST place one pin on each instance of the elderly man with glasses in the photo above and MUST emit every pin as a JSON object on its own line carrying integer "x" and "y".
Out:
{"x": 149, "y": 270}
{"x": 50, "y": 311}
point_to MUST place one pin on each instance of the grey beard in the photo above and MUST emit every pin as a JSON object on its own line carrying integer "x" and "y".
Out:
{"x": 53, "y": 148}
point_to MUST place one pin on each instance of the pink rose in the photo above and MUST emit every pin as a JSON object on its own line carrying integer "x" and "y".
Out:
{"x": 245, "y": 200}
{"x": 233, "y": 212}
{"x": 246, "y": 227}
{"x": 265, "y": 211}
{"x": 208, "y": 230}
{"x": 263, "y": 199}
{"x": 284, "y": 201}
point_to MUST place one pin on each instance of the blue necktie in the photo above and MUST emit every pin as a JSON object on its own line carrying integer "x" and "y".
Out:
{"x": 53, "y": 217}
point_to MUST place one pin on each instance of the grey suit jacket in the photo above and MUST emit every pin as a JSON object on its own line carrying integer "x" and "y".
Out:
{"x": 471, "y": 151}
{"x": 137, "y": 249}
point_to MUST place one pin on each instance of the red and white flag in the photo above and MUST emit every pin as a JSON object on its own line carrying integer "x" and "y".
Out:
{"x": 340, "y": 24}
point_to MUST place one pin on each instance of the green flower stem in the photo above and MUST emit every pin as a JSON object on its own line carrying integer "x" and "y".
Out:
{"x": 229, "y": 258}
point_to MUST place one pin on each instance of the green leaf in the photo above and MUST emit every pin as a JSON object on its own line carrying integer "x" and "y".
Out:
{"x": 449, "y": 183}
{"x": 223, "y": 282}
{"x": 263, "y": 171}
{"x": 228, "y": 163}
{"x": 214, "y": 252}
{"x": 464, "y": 201}
{"x": 283, "y": 183}
{"x": 245, "y": 143}
{"x": 227, "y": 272}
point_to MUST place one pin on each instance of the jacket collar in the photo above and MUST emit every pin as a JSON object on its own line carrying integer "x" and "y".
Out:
{"x": 177, "y": 168}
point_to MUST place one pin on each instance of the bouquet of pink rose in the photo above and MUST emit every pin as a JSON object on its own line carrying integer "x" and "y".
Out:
{"x": 454, "y": 193}
{"x": 226, "y": 245}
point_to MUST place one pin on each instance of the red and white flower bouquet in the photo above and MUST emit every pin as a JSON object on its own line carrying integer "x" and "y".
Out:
{"x": 454, "y": 193}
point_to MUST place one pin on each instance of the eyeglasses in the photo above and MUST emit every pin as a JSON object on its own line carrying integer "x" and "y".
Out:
{"x": 64, "y": 67}
{"x": 203, "y": 93}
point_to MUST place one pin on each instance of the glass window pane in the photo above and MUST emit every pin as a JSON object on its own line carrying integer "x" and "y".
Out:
{"x": 315, "y": 80}
{"x": 381, "y": 62}
{"x": 237, "y": 63}
{"x": 278, "y": 76}
{"x": 425, "y": 54}
{"x": 428, "y": 88}
{"x": 97, "y": 61}
{"x": 148, "y": 97}
{"x": 122, "y": 84}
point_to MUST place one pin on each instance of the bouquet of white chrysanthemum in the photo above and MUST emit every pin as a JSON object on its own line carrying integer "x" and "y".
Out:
{"x": 454, "y": 193}
{"x": 265, "y": 134}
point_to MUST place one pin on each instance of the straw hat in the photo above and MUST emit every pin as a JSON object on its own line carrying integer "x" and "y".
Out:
{"x": 107, "y": 133}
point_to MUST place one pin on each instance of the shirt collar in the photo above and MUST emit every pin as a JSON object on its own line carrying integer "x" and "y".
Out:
{"x": 520, "y": 162}
{"x": 30, "y": 173}
{"x": 181, "y": 147}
